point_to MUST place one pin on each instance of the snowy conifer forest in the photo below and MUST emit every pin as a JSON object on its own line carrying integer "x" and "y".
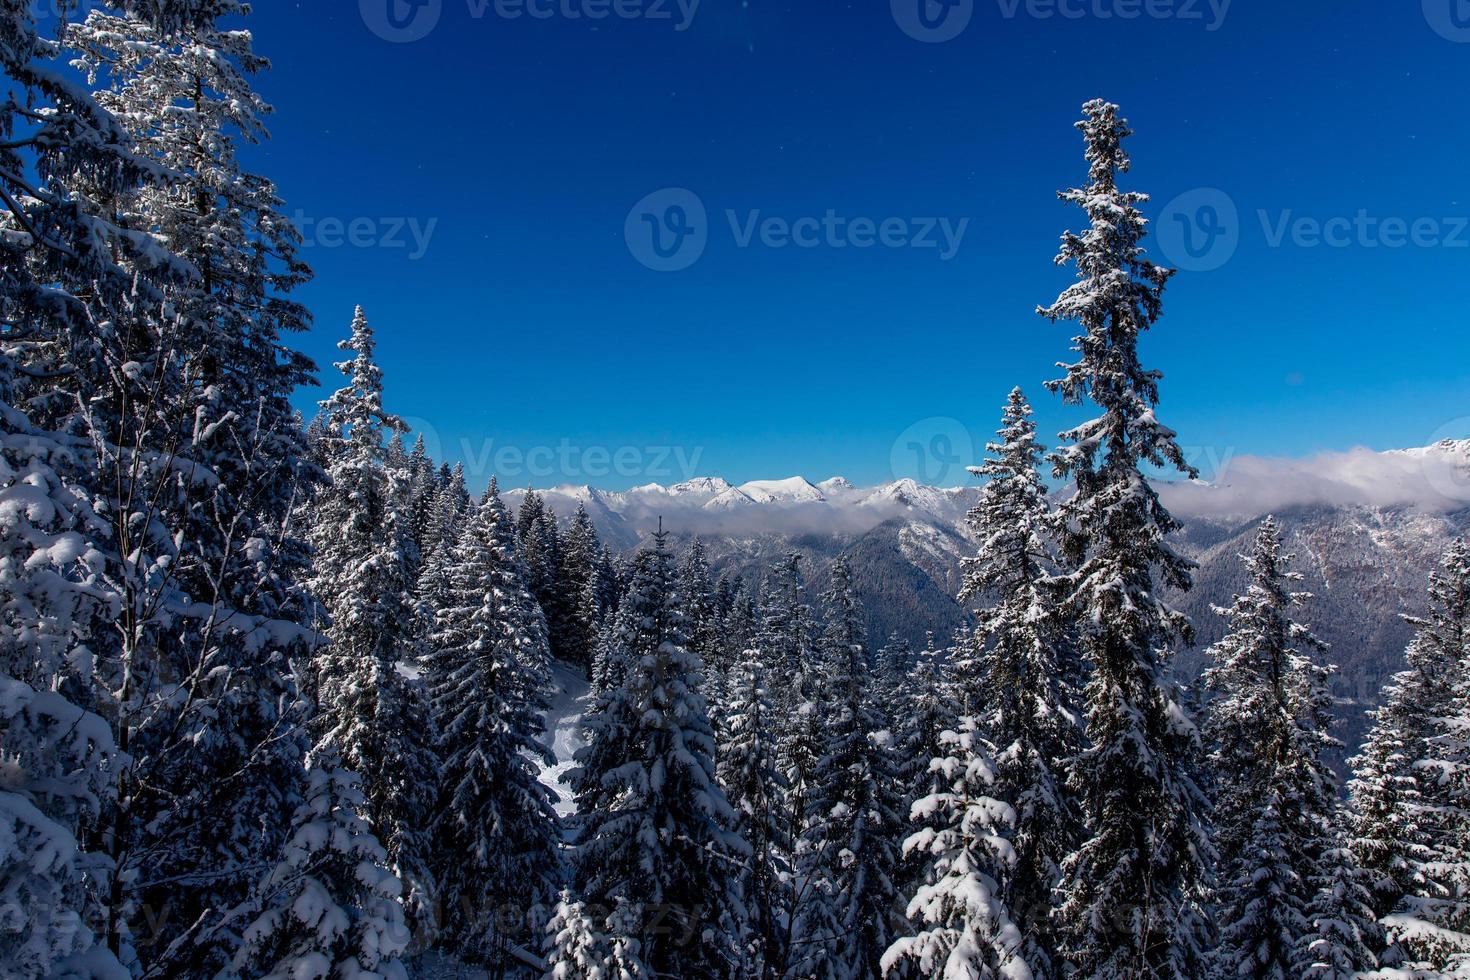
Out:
{"x": 284, "y": 697}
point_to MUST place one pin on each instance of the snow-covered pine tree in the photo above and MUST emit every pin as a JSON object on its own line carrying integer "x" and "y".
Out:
{"x": 331, "y": 907}
{"x": 1411, "y": 793}
{"x": 541, "y": 551}
{"x": 530, "y": 515}
{"x": 1386, "y": 793}
{"x": 444, "y": 523}
{"x": 623, "y": 926}
{"x": 1385, "y": 839}
{"x": 52, "y": 244}
{"x": 1133, "y": 890}
{"x": 894, "y": 661}
{"x": 966, "y": 930}
{"x": 487, "y": 669}
{"x": 369, "y": 713}
{"x": 448, "y": 504}
{"x": 892, "y": 668}
{"x": 787, "y": 633}
{"x": 228, "y": 224}
{"x": 849, "y": 848}
{"x": 400, "y": 479}
{"x": 924, "y": 709}
{"x": 655, "y": 835}
{"x": 581, "y": 553}
{"x": 725, "y": 589}
{"x": 1343, "y": 932}
{"x": 578, "y": 949}
{"x": 1275, "y": 797}
{"x": 183, "y": 90}
{"x": 611, "y": 579}
{"x": 740, "y": 623}
{"x": 606, "y": 672}
{"x": 1016, "y": 676}
{"x": 786, "y": 638}
{"x": 697, "y": 588}
{"x": 618, "y": 635}
{"x": 749, "y": 772}
{"x": 181, "y": 386}
{"x": 422, "y": 485}
{"x": 58, "y": 760}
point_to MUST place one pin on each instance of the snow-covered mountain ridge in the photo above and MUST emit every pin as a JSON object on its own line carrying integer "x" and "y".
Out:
{"x": 1429, "y": 479}
{"x": 712, "y": 505}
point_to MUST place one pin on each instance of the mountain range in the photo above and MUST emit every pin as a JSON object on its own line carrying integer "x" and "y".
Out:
{"x": 1365, "y": 528}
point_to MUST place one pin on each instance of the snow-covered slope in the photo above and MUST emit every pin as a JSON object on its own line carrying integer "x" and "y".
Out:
{"x": 564, "y": 731}
{"x": 731, "y": 499}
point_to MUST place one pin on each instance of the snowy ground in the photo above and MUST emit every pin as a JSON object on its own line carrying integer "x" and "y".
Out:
{"x": 564, "y": 730}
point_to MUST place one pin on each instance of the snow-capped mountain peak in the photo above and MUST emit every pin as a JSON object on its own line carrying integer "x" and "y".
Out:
{"x": 729, "y": 500}
{"x": 1452, "y": 449}
{"x": 796, "y": 489}
{"x": 710, "y": 486}
{"x": 911, "y": 494}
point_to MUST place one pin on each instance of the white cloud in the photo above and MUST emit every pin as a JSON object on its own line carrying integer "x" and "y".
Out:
{"x": 1436, "y": 479}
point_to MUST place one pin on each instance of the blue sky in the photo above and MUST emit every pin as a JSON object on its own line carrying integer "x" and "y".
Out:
{"x": 493, "y": 166}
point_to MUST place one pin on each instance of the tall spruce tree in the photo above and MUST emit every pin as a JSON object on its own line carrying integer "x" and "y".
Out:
{"x": 787, "y": 639}
{"x": 964, "y": 926}
{"x": 654, "y": 843}
{"x": 95, "y": 288}
{"x": 369, "y": 713}
{"x": 697, "y": 587}
{"x": 541, "y": 550}
{"x": 422, "y": 484}
{"x": 1275, "y": 796}
{"x": 1343, "y": 938}
{"x": 749, "y": 772}
{"x": 488, "y": 674}
{"x": 1018, "y": 678}
{"x": 581, "y": 553}
{"x": 850, "y": 844}
{"x": 739, "y": 628}
{"x": 925, "y": 706}
{"x": 60, "y": 757}
{"x": 1411, "y": 790}
{"x": 1134, "y": 888}
{"x": 179, "y": 382}
{"x": 331, "y": 908}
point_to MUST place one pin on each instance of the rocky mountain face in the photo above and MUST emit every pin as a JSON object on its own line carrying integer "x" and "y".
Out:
{"x": 1365, "y": 568}
{"x": 1366, "y": 528}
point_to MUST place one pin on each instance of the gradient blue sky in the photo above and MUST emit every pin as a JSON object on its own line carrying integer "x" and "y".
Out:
{"x": 528, "y": 321}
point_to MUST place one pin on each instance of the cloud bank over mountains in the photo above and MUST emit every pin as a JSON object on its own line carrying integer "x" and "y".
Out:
{"x": 1434, "y": 479}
